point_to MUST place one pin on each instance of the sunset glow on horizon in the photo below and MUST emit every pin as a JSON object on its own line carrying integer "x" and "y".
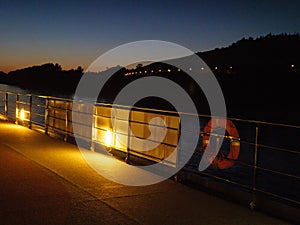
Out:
{"x": 72, "y": 35}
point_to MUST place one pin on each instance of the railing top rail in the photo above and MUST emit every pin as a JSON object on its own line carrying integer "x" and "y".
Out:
{"x": 37, "y": 96}
{"x": 258, "y": 122}
{"x": 14, "y": 93}
{"x": 86, "y": 101}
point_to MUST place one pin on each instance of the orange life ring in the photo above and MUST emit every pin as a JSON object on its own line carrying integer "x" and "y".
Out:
{"x": 223, "y": 161}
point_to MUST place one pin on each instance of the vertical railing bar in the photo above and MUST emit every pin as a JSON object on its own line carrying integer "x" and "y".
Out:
{"x": 166, "y": 123}
{"x": 30, "y": 111}
{"x": 94, "y": 129}
{"x": 179, "y": 148}
{"x": 127, "y": 158}
{"x": 17, "y": 108}
{"x": 66, "y": 123}
{"x": 6, "y": 104}
{"x": 113, "y": 130}
{"x": 54, "y": 114}
{"x": 46, "y": 115}
{"x": 253, "y": 203}
{"x": 113, "y": 126}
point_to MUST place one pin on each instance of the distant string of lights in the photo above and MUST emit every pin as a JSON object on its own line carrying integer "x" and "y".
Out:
{"x": 137, "y": 71}
{"x": 215, "y": 68}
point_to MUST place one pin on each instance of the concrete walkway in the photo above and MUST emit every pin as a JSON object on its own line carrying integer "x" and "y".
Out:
{"x": 46, "y": 181}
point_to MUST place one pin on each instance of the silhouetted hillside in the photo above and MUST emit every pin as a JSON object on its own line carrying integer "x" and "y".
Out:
{"x": 259, "y": 77}
{"x": 278, "y": 51}
{"x": 47, "y": 77}
{"x": 2, "y": 74}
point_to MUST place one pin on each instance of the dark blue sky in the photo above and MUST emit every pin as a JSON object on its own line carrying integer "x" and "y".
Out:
{"x": 77, "y": 32}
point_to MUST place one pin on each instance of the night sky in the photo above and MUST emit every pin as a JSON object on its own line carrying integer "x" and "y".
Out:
{"x": 77, "y": 32}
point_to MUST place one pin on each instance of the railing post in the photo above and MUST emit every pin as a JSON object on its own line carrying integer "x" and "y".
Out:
{"x": 6, "y": 104}
{"x": 17, "y": 108}
{"x": 253, "y": 203}
{"x": 94, "y": 129}
{"x": 66, "y": 123}
{"x": 53, "y": 107}
{"x": 127, "y": 157}
{"x": 179, "y": 150}
{"x": 46, "y": 115}
{"x": 30, "y": 111}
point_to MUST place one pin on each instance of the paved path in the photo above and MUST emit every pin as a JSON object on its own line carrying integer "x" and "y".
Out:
{"x": 45, "y": 179}
{"x": 29, "y": 195}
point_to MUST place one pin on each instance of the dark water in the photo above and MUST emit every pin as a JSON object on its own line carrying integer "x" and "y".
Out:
{"x": 10, "y": 88}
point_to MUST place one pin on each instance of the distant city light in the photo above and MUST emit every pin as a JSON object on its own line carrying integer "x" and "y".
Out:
{"x": 169, "y": 70}
{"x": 292, "y": 65}
{"x": 202, "y": 68}
{"x": 145, "y": 71}
{"x": 190, "y": 69}
{"x": 216, "y": 68}
{"x": 230, "y": 67}
{"x": 159, "y": 70}
{"x": 178, "y": 70}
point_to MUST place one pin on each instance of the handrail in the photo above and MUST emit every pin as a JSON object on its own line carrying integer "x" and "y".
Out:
{"x": 152, "y": 110}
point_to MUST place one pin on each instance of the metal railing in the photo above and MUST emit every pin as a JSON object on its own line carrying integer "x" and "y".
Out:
{"x": 268, "y": 161}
